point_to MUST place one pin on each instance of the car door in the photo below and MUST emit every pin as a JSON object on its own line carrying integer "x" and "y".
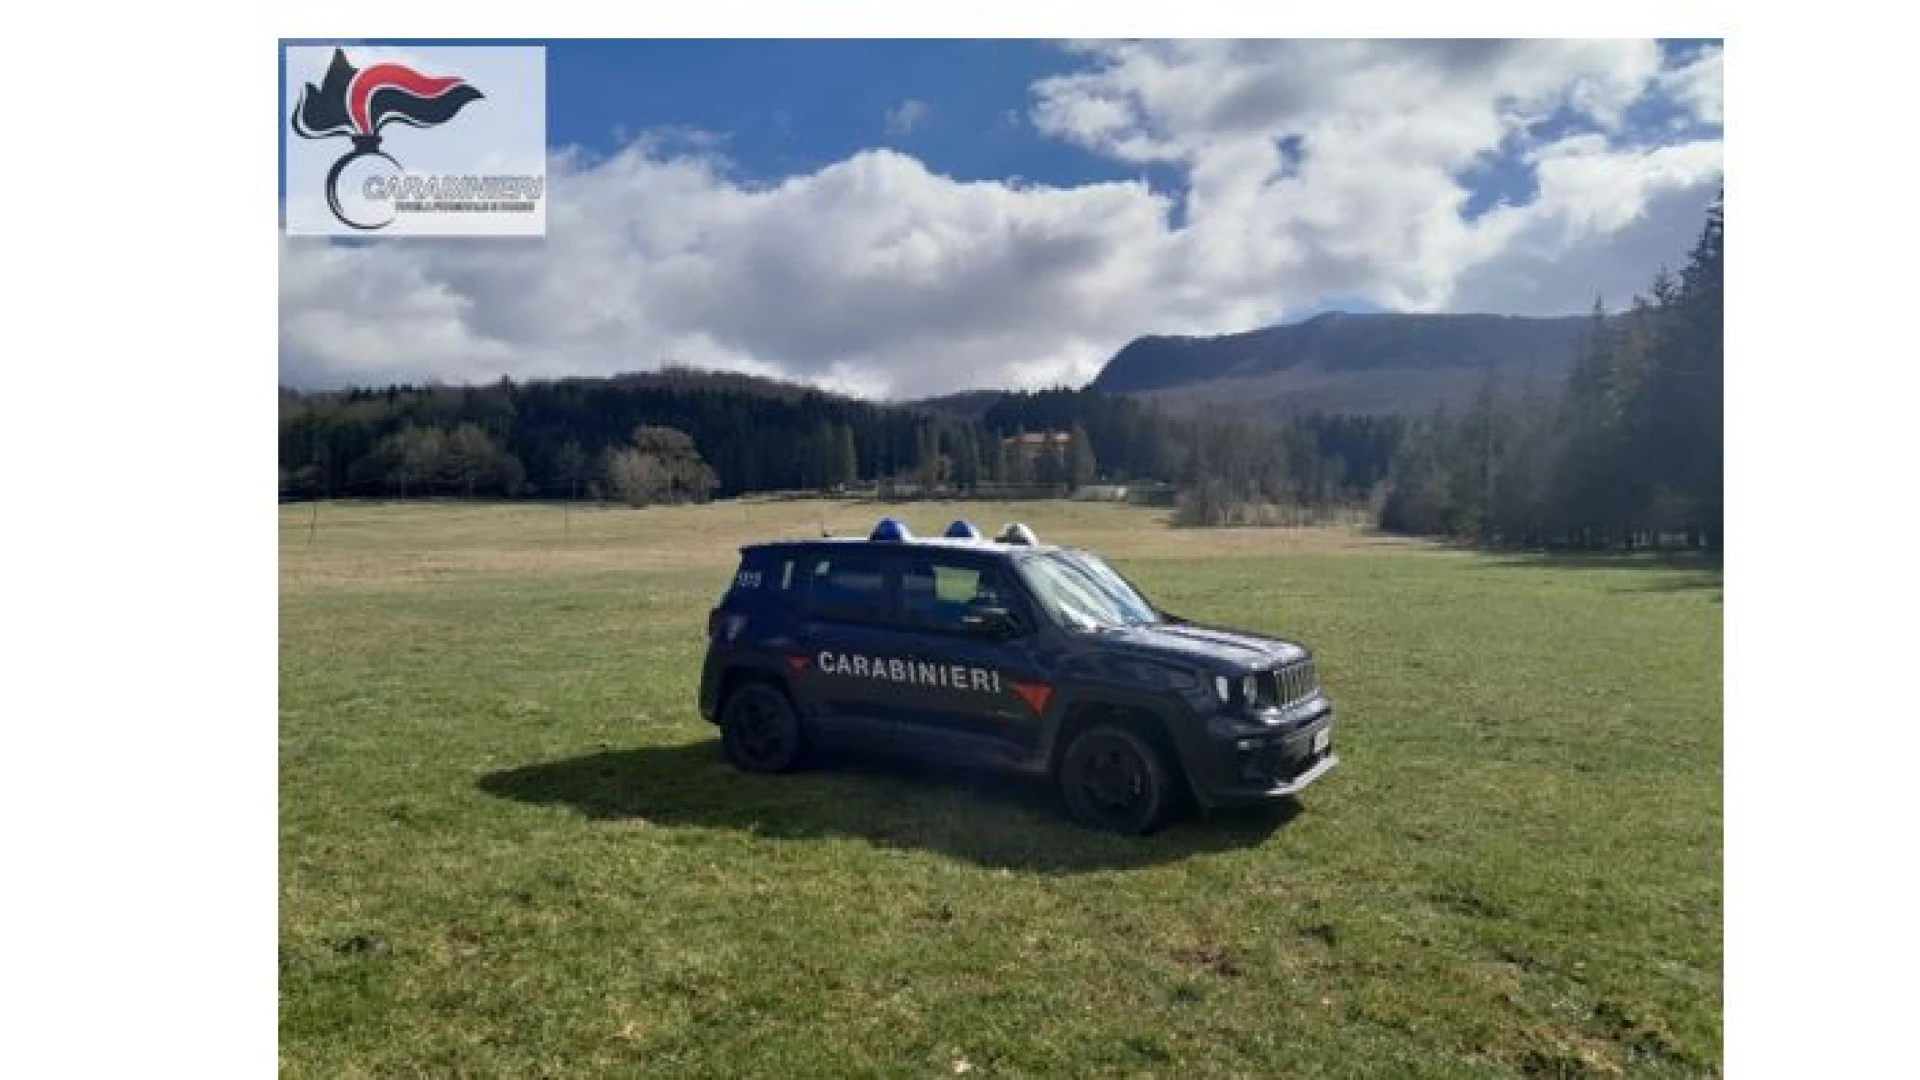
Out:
{"x": 967, "y": 688}
{"x": 850, "y": 621}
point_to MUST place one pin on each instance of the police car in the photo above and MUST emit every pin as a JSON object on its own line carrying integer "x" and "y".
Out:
{"x": 1008, "y": 654}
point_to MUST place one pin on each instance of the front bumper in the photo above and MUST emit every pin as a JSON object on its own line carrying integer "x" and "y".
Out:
{"x": 1320, "y": 767}
{"x": 1264, "y": 765}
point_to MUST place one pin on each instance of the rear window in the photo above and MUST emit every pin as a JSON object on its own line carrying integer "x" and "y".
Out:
{"x": 752, "y": 573}
{"x": 765, "y": 574}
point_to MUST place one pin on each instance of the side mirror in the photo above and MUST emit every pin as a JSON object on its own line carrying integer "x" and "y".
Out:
{"x": 991, "y": 622}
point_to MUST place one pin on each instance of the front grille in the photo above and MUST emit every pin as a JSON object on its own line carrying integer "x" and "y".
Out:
{"x": 1294, "y": 682}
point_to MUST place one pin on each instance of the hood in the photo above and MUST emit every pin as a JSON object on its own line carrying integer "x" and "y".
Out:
{"x": 1205, "y": 646}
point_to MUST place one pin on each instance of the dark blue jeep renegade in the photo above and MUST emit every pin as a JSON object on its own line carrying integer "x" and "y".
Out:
{"x": 1008, "y": 654}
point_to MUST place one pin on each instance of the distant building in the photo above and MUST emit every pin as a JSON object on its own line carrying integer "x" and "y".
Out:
{"x": 1035, "y": 443}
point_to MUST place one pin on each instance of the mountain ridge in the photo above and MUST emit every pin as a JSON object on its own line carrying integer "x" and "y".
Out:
{"x": 1344, "y": 362}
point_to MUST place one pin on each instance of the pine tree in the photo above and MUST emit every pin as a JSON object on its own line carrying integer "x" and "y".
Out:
{"x": 1684, "y": 413}
{"x": 821, "y": 454}
{"x": 926, "y": 457}
{"x": 847, "y": 457}
{"x": 570, "y": 467}
{"x": 966, "y": 458}
{"x": 1081, "y": 464}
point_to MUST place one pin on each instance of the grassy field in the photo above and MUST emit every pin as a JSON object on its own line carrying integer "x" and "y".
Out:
{"x": 509, "y": 846}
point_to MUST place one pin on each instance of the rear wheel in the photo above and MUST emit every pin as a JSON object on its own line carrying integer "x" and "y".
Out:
{"x": 759, "y": 729}
{"x": 1114, "y": 780}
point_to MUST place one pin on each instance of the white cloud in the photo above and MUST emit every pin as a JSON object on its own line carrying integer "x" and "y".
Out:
{"x": 878, "y": 276}
{"x": 1699, "y": 85}
{"x": 872, "y": 274}
{"x": 1386, "y": 129}
{"x": 1625, "y": 213}
{"x": 1175, "y": 101}
{"x": 903, "y": 118}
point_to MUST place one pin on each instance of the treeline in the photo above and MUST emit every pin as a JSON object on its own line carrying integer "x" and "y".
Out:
{"x": 561, "y": 438}
{"x": 586, "y": 438}
{"x": 1627, "y": 455}
{"x": 1239, "y": 471}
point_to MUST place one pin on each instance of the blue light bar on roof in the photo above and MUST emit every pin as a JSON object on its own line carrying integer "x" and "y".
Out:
{"x": 891, "y": 530}
{"x": 962, "y": 530}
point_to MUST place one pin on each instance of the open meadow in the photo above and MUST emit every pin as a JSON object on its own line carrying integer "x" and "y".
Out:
{"x": 509, "y": 845}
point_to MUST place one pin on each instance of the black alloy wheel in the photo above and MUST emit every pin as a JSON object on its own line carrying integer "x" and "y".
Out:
{"x": 1116, "y": 781}
{"x": 759, "y": 730}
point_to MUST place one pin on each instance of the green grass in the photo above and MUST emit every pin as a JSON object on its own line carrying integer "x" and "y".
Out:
{"x": 509, "y": 845}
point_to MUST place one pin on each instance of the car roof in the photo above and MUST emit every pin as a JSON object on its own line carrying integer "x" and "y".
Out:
{"x": 988, "y": 548}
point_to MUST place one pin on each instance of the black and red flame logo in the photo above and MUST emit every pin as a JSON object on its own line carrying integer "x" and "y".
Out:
{"x": 359, "y": 102}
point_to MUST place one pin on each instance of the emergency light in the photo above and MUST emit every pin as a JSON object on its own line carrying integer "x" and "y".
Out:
{"x": 1017, "y": 533}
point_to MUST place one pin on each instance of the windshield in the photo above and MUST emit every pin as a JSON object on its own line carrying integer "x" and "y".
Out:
{"x": 1084, "y": 593}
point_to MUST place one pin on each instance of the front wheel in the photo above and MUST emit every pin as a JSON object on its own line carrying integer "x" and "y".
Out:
{"x": 1116, "y": 781}
{"x": 759, "y": 729}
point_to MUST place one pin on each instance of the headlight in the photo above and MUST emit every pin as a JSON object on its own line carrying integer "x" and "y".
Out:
{"x": 1223, "y": 688}
{"x": 1249, "y": 689}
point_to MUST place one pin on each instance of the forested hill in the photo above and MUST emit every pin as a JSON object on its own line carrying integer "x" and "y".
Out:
{"x": 1340, "y": 363}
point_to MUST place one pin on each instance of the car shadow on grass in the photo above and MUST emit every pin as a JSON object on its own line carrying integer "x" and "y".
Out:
{"x": 990, "y": 819}
{"x": 1663, "y": 571}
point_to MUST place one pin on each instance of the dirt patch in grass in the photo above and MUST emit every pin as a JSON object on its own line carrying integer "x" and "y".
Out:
{"x": 1211, "y": 959}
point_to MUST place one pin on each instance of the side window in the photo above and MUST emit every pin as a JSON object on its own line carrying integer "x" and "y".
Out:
{"x": 850, "y": 587}
{"x": 790, "y": 581}
{"x": 936, "y": 594}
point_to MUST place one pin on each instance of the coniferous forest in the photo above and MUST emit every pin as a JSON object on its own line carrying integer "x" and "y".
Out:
{"x": 1626, "y": 454}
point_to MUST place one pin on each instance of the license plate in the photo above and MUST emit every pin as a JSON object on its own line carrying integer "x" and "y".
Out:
{"x": 1322, "y": 739}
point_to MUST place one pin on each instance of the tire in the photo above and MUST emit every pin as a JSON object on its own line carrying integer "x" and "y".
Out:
{"x": 759, "y": 730}
{"x": 1114, "y": 780}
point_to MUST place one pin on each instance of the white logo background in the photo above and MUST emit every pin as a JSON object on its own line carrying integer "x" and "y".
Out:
{"x": 504, "y": 133}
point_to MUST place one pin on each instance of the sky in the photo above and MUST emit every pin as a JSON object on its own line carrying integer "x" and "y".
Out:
{"x": 898, "y": 219}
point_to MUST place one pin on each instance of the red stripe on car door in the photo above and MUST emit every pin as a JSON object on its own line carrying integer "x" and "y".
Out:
{"x": 1034, "y": 694}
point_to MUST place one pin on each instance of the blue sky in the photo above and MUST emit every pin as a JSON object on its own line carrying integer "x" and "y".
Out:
{"x": 795, "y": 106}
{"x": 786, "y": 106}
{"x": 1175, "y": 187}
